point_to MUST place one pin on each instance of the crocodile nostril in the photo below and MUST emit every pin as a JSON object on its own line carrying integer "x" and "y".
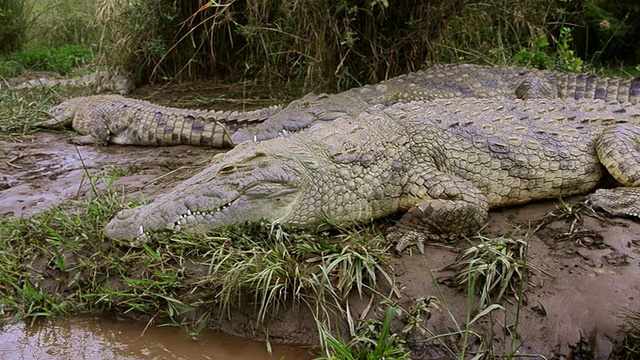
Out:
{"x": 124, "y": 214}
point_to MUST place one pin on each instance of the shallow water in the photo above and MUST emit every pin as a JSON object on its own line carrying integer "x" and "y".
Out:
{"x": 101, "y": 338}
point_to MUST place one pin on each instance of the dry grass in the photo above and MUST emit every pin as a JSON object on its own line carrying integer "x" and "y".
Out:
{"x": 312, "y": 44}
{"x": 322, "y": 45}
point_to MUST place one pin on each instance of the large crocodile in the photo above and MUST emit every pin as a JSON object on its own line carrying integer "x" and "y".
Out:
{"x": 98, "y": 82}
{"x": 445, "y": 163}
{"x": 450, "y": 81}
{"x": 104, "y": 119}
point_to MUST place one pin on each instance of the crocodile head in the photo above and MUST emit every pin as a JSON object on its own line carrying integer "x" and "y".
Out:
{"x": 66, "y": 110}
{"x": 298, "y": 115}
{"x": 117, "y": 83}
{"x": 244, "y": 185}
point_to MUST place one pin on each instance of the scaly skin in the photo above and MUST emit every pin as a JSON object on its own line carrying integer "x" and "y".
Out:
{"x": 443, "y": 82}
{"x": 444, "y": 163}
{"x": 104, "y": 119}
{"x": 99, "y": 82}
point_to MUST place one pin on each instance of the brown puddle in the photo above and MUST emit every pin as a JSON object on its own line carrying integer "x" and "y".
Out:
{"x": 100, "y": 338}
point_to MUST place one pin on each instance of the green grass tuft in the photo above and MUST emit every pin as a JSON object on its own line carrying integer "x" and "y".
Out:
{"x": 629, "y": 348}
{"x": 495, "y": 267}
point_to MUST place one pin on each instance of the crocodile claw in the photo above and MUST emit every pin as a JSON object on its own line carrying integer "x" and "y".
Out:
{"x": 405, "y": 238}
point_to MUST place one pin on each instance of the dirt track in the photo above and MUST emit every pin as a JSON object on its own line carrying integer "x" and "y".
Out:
{"x": 578, "y": 309}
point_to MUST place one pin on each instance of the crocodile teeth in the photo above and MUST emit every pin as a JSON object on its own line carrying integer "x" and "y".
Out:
{"x": 143, "y": 236}
{"x": 192, "y": 216}
{"x": 223, "y": 207}
{"x": 288, "y": 133}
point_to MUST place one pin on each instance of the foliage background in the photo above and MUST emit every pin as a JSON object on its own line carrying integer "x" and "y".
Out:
{"x": 325, "y": 44}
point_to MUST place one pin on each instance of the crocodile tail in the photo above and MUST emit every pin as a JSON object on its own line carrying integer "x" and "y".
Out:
{"x": 41, "y": 82}
{"x": 161, "y": 129}
{"x": 236, "y": 119}
{"x": 572, "y": 86}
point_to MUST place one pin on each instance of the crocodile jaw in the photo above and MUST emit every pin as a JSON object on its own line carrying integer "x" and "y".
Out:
{"x": 227, "y": 193}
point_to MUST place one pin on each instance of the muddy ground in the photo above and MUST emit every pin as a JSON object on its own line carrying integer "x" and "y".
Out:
{"x": 575, "y": 312}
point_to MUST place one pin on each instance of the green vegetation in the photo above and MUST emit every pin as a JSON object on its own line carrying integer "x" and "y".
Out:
{"x": 630, "y": 347}
{"x": 20, "y": 110}
{"x": 47, "y": 35}
{"x": 463, "y": 341}
{"x": 493, "y": 268}
{"x": 335, "y": 45}
{"x": 325, "y": 45}
{"x": 374, "y": 340}
{"x": 58, "y": 262}
{"x": 608, "y": 28}
{"x": 62, "y": 60}
{"x": 13, "y": 25}
{"x": 56, "y": 23}
{"x": 563, "y": 60}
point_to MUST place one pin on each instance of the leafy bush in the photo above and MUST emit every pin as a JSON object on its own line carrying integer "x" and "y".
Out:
{"x": 10, "y": 68}
{"x": 538, "y": 54}
{"x": 535, "y": 55}
{"x": 61, "y": 59}
{"x": 609, "y": 30}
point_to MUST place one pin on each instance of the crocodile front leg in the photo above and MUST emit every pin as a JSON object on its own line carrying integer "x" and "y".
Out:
{"x": 440, "y": 206}
{"x": 619, "y": 151}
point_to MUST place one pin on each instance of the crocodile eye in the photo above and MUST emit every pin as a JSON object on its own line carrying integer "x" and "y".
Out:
{"x": 57, "y": 110}
{"x": 227, "y": 169}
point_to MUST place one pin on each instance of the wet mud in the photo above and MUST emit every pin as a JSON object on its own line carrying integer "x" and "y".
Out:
{"x": 45, "y": 169}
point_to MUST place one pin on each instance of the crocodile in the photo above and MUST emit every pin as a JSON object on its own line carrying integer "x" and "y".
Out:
{"x": 444, "y": 163}
{"x": 448, "y": 81}
{"x": 103, "y": 119}
{"x": 99, "y": 82}
{"x": 452, "y": 81}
